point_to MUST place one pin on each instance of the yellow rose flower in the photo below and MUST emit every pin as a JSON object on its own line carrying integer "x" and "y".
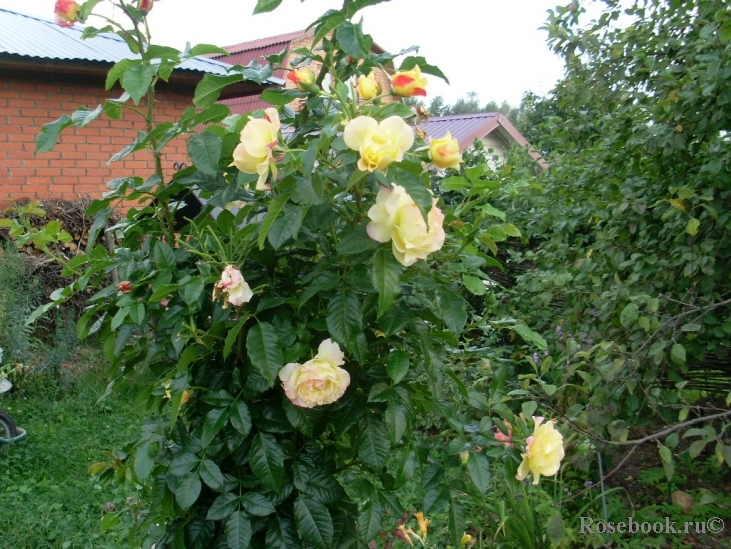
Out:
{"x": 233, "y": 286}
{"x": 396, "y": 218}
{"x": 254, "y": 153}
{"x": 318, "y": 381}
{"x": 409, "y": 83}
{"x": 444, "y": 152}
{"x": 378, "y": 144}
{"x": 368, "y": 86}
{"x": 544, "y": 452}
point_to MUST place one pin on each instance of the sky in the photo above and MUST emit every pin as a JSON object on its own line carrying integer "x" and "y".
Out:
{"x": 492, "y": 47}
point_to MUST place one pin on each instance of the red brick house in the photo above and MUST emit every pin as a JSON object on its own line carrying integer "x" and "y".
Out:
{"x": 47, "y": 71}
{"x": 256, "y": 50}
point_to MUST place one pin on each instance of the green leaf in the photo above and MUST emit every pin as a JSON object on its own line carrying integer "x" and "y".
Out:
{"x": 374, "y": 446}
{"x": 287, "y": 226}
{"x": 397, "y": 365}
{"x": 454, "y": 311}
{"x": 238, "y": 531}
{"x": 314, "y": 522}
{"x": 369, "y": 520}
{"x": 257, "y": 504}
{"x": 275, "y": 207}
{"x": 380, "y": 392}
{"x": 282, "y": 534}
{"x": 454, "y": 183}
{"x": 46, "y": 140}
{"x": 83, "y": 116}
{"x": 667, "y": 461}
{"x": 215, "y": 421}
{"x": 351, "y": 40}
{"x": 474, "y": 284}
{"x": 205, "y": 151}
{"x": 183, "y": 464}
{"x": 345, "y": 535}
{"x": 233, "y": 335}
{"x": 189, "y": 488}
{"x": 457, "y": 521}
{"x": 530, "y": 336}
{"x": 117, "y": 71}
{"x": 410, "y": 62}
{"x": 344, "y": 321}
{"x": 396, "y": 420}
{"x": 209, "y": 89}
{"x": 629, "y": 315}
{"x": 386, "y": 278}
{"x": 263, "y": 6}
{"x": 556, "y": 530}
{"x": 144, "y": 460}
{"x": 417, "y": 187}
{"x": 282, "y": 97}
{"x": 435, "y": 498}
{"x": 192, "y": 290}
{"x": 266, "y": 459}
{"x": 488, "y": 209}
{"x": 211, "y": 474}
{"x": 265, "y": 351}
{"x": 239, "y": 417}
{"x": 357, "y": 241}
{"x": 317, "y": 482}
{"x": 692, "y": 227}
{"x": 677, "y": 354}
{"x": 223, "y": 506}
{"x": 478, "y": 467}
{"x": 137, "y": 79}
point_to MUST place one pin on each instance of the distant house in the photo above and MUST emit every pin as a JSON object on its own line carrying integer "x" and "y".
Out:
{"x": 492, "y": 128}
{"x": 47, "y": 71}
{"x": 256, "y": 50}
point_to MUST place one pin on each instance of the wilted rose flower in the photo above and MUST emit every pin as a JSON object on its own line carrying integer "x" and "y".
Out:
{"x": 368, "y": 86}
{"x": 409, "y": 83}
{"x": 304, "y": 79}
{"x": 378, "y": 144}
{"x": 544, "y": 452}
{"x": 66, "y": 12}
{"x": 444, "y": 152}
{"x": 254, "y": 153}
{"x": 233, "y": 286}
{"x": 318, "y": 381}
{"x": 397, "y": 218}
{"x": 125, "y": 286}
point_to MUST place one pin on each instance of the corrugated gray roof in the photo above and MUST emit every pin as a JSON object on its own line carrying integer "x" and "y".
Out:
{"x": 35, "y": 37}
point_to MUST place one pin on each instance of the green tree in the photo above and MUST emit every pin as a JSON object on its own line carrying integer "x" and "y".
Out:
{"x": 629, "y": 232}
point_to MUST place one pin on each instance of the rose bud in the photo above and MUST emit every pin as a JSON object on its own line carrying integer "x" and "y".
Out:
{"x": 66, "y": 12}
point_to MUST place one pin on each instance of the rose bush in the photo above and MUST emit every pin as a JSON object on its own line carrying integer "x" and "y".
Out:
{"x": 326, "y": 244}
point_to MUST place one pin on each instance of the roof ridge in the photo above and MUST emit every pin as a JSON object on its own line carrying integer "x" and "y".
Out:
{"x": 258, "y": 43}
{"x": 468, "y": 115}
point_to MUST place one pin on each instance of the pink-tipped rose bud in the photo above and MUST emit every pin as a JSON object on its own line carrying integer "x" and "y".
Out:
{"x": 409, "y": 83}
{"x": 304, "y": 79}
{"x": 125, "y": 287}
{"x": 144, "y": 5}
{"x": 444, "y": 152}
{"x": 66, "y": 12}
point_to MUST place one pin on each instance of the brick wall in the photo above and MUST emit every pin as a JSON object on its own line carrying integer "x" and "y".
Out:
{"x": 77, "y": 166}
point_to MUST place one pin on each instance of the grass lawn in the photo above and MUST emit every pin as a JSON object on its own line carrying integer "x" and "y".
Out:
{"x": 47, "y": 498}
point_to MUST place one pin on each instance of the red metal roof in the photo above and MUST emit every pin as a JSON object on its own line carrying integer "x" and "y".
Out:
{"x": 245, "y": 52}
{"x": 465, "y": 128}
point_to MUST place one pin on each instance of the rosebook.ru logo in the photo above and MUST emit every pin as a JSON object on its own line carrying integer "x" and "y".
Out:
{"x": 591, "y": 526}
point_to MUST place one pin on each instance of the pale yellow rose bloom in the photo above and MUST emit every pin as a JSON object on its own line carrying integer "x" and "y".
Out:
{"x": 368, "y": 86}
{"x": 444, "y": 152}
{"x": 254, "y": 153}
{"x": 396, "y": 218}
{"x": 378, "y": 144}
{"x": 318, "y": 381}
{"x": 544, "y": 452}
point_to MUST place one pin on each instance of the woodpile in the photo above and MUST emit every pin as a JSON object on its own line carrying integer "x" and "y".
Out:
{"x": 73, "y": 219}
